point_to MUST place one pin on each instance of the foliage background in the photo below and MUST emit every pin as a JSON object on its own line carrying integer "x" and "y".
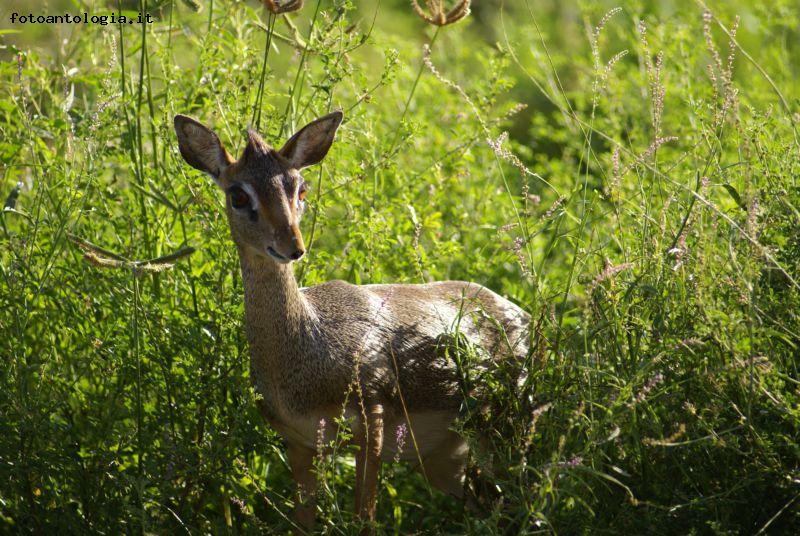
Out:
{"x": 643, "y": 207}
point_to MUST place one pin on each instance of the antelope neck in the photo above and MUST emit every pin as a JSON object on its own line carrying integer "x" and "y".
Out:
{"x": 277, "y": 313}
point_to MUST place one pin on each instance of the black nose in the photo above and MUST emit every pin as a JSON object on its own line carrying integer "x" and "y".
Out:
{"x": 297, "y": 254}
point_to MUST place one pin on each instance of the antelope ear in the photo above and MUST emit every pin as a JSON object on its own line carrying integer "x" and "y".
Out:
{"x": 311, "y": 143}
{"x": 200, "y": 147}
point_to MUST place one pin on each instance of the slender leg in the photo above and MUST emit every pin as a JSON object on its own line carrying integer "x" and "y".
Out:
{"x": 301, "y": 460}
{"x": 368, "y": 463}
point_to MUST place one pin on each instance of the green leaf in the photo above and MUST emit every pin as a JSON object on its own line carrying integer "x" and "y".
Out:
{"x": 191, "y": 4}
{"x": 735, "y": 195}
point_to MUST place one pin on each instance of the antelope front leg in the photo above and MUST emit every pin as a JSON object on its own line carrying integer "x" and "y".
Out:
{"x": 301, "y": 460}
{"x": 368, "y": 463}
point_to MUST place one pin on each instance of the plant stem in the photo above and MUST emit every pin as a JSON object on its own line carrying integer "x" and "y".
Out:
{"x": 411, "y": 94}
{"x": 290, "y": 101}
{"x": 260, "y": 93}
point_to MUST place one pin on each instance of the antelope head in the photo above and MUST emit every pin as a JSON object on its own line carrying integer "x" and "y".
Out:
{"x": 264, "y": 190}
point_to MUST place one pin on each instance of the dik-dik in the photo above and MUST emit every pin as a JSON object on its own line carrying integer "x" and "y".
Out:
{"x": 373, "y": 353}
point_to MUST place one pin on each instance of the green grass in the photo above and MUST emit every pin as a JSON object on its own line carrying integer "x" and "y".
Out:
{"x": 644, "y": 208}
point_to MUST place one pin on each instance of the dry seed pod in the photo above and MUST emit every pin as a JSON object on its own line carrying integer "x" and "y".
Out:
{"x": 282, "y": 6}
{"x": 103, "y": 258}
{"x": 438, "y": 16}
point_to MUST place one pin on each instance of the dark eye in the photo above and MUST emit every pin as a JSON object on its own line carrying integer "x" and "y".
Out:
{"x": 302, "y": 191}
{"x": 239, "y": 199}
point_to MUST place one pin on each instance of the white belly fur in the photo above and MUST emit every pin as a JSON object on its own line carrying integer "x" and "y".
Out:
{"x": 431, "y": 429}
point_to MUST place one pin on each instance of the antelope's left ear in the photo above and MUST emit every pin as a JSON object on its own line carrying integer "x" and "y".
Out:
{"x": 311, "y": 143}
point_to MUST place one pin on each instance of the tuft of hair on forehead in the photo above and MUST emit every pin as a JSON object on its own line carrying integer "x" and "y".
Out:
{"x": 256, "y": 146}
{"x": 255, "y": 140}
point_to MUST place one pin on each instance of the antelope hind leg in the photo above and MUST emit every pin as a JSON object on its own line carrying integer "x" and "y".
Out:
{"x": 445, "y": 467}
{"x": 368, "y": 463}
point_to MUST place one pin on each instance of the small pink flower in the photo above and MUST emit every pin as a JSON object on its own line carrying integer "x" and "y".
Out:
{"x": 400, "y": 435}
{"x": 321, "y": 434}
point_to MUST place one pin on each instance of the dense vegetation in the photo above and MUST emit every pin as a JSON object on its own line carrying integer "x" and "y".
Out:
{"x": 643, "y": 205}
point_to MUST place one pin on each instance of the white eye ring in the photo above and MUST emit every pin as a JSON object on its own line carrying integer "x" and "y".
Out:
{"x": 239, "y": 198}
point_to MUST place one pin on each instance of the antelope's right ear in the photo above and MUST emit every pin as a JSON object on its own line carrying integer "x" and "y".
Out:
{"x": 200, "y": 147}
